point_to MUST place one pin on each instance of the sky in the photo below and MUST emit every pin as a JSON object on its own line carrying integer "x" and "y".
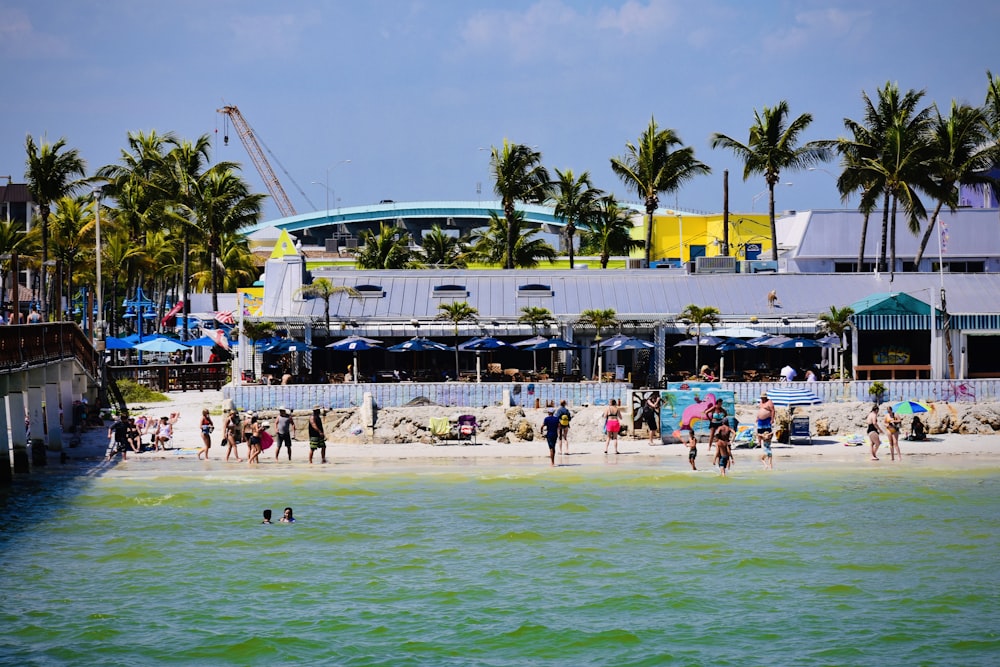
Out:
{"x": 357, "y": 102}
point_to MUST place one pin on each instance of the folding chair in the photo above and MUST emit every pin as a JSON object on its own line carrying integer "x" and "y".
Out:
{"x": 800, "y": 430}
{"x": 467, "y": 428}
{"x": 440, "y": 429}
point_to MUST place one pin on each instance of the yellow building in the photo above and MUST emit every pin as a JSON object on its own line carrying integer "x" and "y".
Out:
{"x": 682, "y": 236}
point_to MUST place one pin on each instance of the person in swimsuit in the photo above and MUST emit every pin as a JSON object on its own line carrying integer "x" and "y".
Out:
{"x": 267, "y": 516}
{"x": 254, "y": 440}
{"x": 317, "y": 437}
{"x": 765, "y": 415}
{"x": 873, "y": 431}
{"x": 207, "y": 426}
{"x": 232, "y": 431}
{"x": 287, "y": 516}
{"x": 612, "y": 424}
{"x": 892, "y": 426}
{"x": 723, "y": 448}
{"x": 767, "y": 459}
{"x": 692, "y": 444}
{"x": 651, "y": 414}
{"x": 716, "y": 415}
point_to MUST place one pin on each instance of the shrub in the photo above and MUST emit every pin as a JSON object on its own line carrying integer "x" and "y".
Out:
{"x": 133, "y": 392}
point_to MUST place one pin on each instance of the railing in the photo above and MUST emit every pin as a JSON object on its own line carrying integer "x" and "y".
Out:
{"x": 174, "y": 377}
{"x": 26, "y": 345}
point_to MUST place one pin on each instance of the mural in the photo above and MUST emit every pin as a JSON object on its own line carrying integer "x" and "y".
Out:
{"x": 685, "y": 408}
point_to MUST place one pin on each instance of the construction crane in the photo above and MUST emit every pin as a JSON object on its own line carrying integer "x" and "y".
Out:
{"x": 249, "y": 139}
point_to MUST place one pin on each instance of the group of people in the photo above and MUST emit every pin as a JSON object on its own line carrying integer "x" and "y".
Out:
{"x": 286, "y": 516}
{"x": 126, "y": 433}
{"x": 893, "y": 425}
{"x": 251, "y": 430}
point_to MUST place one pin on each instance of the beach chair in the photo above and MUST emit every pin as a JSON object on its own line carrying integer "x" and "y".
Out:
{"x": 440, "y": 429}
{"x": 467, "y": 428}
{"x": 744, "y": 437}
{"x": 800, "y": 429}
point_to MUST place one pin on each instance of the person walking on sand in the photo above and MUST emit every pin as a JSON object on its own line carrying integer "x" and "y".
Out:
{"x": 284, "y": 427}
{"x": 550, "y": 429}
{"x": 723, "y": 448}
{"x": 207, "y": 426}
{"x": 651, "y": 415}
{"x": 118, "y": 438}
{"x": 767, "y": 458}
{"x": 612, "y": 424}
{"x": 254, "y": 440}
{"x": 317, "y": 437}
{"x": 232, "y": 432}
{"x": 893, "y": 422}
{"x": 565, "y": 417}
{"x": 874, "y": 430}
{"x": 765, "y": 417}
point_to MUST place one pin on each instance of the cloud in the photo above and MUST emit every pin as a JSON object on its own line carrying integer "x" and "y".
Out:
{"x": 554, "y": 30}
{"x": 819, "y": 25}
{"x": 21, "y": 41}
{"x": 269, "y": 35}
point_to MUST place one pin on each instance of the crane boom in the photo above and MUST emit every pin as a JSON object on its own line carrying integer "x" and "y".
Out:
{"x": 250, "y": 142}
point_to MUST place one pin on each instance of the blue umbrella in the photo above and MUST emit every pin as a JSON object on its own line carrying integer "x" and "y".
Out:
{"x": 553, "y": 344}
{"x": 528, "y": 342}
{"x": 484, "y": 343}
{"x": 420, "y": 344}
{"x": 286, "y": 346}
{"x": 161, "y": 345}
{"x": 734, "y": 344}
{"x": 354, "y": 344}
{"x": 707, "y": 341}
{"x": 204, "y": 341}
{"x": 628, "y": 343}
{"x": 797, "y": 343}
{"x": 112, "y": 343}
{"x": 614, "y": 340}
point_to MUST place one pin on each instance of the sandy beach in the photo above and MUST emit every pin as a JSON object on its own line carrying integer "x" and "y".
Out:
{"x": 586, "y": 449}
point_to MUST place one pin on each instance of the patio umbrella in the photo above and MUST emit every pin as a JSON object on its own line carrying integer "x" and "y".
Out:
{"x": 549, "y": 344}
{"x": 797, "y": 343}
{"x": 738, "y": 332}
{"x": 614, "y": 340}
{"x": 420, "y": 344}
{"x": 909, "y": 407}
{"x": 768, "y": 340}
{"x": 706, "y": 341}
{"x": 161, "y": 345}
{"x": 204, "y": 341}
{"x": 793, "y": 396}
{"x": 479, "y": 344}
{"x": 353, "y": 344}
{"x": 287, "y": 345}
{"x": 731, "y": 345}
{"x": 628, "y": 343}
{"x": 370, "y": 341}
{"x": 528, "y": 342}
{"x": 112, "y": 343}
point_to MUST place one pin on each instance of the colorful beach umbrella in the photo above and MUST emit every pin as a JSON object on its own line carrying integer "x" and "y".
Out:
{"x": 793, "y": 396}
{"x": 909, "y": 407}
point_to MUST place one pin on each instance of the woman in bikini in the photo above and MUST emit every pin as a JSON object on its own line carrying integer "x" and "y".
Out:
{"x": 892, "y": 425}
{"x": 207, "y": 426}
{"x": 253, "y": 438}
{"x": 874, "y": 430}
{"x": 716, "y": 416}
{"x": 232, "y": 432}
{"x": 612, "y": 424}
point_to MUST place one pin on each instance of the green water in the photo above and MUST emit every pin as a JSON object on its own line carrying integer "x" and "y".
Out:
{"x": 523, "y": 566}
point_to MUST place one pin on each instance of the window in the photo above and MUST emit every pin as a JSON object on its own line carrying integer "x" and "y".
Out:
{"x": 368, "y": 292}
{"x": 535, "y": 290}
{"x": 451, "y": 291}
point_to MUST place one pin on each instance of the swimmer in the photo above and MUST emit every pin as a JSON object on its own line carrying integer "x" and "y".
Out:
{"x": 287, "y": 516}
{"x": 267, "y": 516}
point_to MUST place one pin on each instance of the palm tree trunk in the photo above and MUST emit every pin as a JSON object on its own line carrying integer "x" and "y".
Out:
{"x": 43, "y": 283}
{"x": 892, "y": 239}
{"x": 186, "y": 278}
{"x": 508, "y": 211}
{"x": 570, "y": 229}
{"x": 927, "y": 236}
{"x": 213, "y": 259}
{"x": 885, "y": 231}
{"x": 864, "y": 237}
{"x": 774, "y": 228}
{"x": 649, "y": 233}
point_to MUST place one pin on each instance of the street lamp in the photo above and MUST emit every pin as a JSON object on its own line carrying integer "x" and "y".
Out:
{"x": 764, "y": 192}
{"x": 831, "y": 175}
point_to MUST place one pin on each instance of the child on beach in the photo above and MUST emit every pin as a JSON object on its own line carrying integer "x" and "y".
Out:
{"x": 767, "y": 459}
{"x": 723, "y": 448}
{"x": 692, "y": 444}
{"x": 550, "y": 429}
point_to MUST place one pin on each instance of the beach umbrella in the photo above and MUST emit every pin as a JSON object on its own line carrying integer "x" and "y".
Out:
{"x": 161, "y": 345}
{"x": 349, "y": 339}
{"x": 614, "y": 340}
{"x": 909, "y": 407}
{"x": 738, "y": 332}
{"x": 705, "y": 341}
{"x": 831, "y": 341}
{"x": 793, "y": 396}
{"x": 354, "y": 344}
{"x": 420, "y": 344}
{"x": 628, "y": 343}
{"x": 731, "y": 345}
{"x": 479, "y": 344}
{"x": 528, "y": 342}
{"x": 287, "y": 346}
{"x": 112, "y": 343}
{"x": 136, "y": 338}
{"x": 796, "y": 343}
{"x": 553, "y": 344}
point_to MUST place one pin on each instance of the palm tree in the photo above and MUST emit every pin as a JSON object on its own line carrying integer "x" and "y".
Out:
{"x": 490, "y": 246}
{"x": 991, "y": 111}
{"x": 389, "y": 249}
{"x": 323, "y": 288}
{"x": 652, "y": 166}
{"x": 575, "y": 198}
{"x": 696, "y": 317}
{"x": 13, "y": 241}
{"x": 50, "y": 174}
{"x": 117, "y": 254}
{"x": 606, "y": 230}
{"x": 600, "y": 319}
{"x": 441, "y": 250}
{"x": 457, "y": 312}
{"x": 959, "y": 156}
{"x": 772, "y": 148}
{"x": 836, "y": 323}
{"x": 518, "y": 177}
{"x": 535, "y": 317}
{"x": 72, "y": 237}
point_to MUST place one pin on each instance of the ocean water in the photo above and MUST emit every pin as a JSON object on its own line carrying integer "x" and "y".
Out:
{"x": 454, "y": 565}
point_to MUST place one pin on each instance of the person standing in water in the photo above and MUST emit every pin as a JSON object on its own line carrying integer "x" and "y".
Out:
{"x": 267, "y": 516}
{"x": 287, "y": 516}
{"x": 874, "y": 431}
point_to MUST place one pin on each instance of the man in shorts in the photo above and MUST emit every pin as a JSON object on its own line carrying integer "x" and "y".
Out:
{"x": 317, "y": 437}
{"x": 550, "y": 429}
{"x": 692, "y": 444}
{"x": 765, "y": 418}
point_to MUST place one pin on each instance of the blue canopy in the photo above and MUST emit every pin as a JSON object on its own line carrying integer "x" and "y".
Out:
{"x": 353, "y": 344}
{"x": 112, "y": 343}
{"x": 287, "y": 345}
{"x": 483, "y": 343}
{"x": 628, "y": 343}
{"x": 553, "y": 344}
{"x": 161, "y": 345}
{"x": 420, "y": 344}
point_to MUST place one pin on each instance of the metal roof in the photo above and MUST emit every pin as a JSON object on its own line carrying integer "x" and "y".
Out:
{"x": 648, "y": 294}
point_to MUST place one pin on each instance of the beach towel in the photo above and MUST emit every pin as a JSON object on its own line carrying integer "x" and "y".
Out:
{"x": 854, "y": 440}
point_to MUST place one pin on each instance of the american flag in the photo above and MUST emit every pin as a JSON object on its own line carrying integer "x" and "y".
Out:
{"x": 225, "y": 317}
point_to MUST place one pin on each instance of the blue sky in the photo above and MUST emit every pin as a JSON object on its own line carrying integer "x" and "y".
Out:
{"x": 410, "y": 92}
